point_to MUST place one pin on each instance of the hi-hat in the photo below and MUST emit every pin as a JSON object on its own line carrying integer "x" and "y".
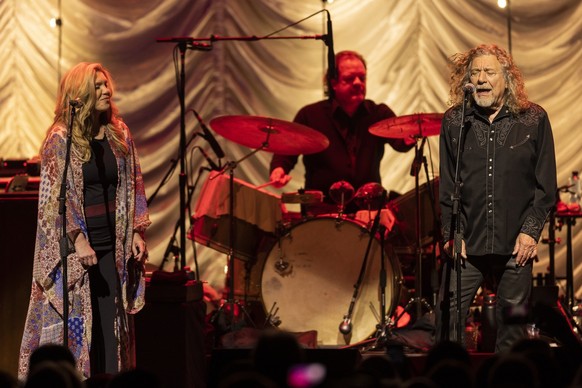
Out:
{"x": 402, "y": 127}
{"x": 277, "y": 136}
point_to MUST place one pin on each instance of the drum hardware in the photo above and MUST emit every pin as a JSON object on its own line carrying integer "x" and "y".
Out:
{"x": 420, "y": 125}
{"x": 418, "y": 299}
{"x": 282, "y": 267}
{"x": 272, "y": 319}
{"x": 345, "y": 326}
{"x": 341, "y": 193}
{"x": 228, "y": 314}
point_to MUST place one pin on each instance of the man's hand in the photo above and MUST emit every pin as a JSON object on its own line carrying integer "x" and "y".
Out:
{"x": 279, "y": 178}
{"x": 410, "y": 140}
{"x": 449, "y": 250}
{"x": 526, "y": 249}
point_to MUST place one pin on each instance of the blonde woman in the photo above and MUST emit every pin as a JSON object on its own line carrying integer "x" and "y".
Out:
{"x": 106, "y": 219}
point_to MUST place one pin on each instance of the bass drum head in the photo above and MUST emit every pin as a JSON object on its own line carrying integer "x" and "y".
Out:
{"x": 311, "y": 278}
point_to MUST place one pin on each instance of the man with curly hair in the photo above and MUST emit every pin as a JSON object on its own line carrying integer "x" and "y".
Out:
{"x": 497, "y": 148}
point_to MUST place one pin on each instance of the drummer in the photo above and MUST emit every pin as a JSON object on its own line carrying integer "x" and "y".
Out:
{"x": 354, "y": 154}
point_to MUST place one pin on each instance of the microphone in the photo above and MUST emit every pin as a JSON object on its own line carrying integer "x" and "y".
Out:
{"x": 469, "y": 88}
{"x": 209, "y": 137}
{"x": 76, "y": 103}
{"x": 345, "y": 326}
{"x": 213, "y": 165}
{"x": 332, "y": 73}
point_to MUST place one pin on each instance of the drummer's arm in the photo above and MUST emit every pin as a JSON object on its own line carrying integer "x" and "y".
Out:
{"x": 280, "y": 167}
{"x": 278, "y": 177}
{"x": 402, "y": 145}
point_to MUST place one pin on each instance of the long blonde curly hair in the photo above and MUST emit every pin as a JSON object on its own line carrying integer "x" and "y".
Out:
{"x": 79, "y": 83}
{"x": 460, "y": 65}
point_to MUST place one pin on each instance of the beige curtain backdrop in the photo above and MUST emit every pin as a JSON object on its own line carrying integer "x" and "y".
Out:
{"x": 406, "y": 43}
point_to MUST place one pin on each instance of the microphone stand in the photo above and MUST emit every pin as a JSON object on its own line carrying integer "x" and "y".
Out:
{"x": 63, "y": 242}
{"x": 182, "y": 45}
{"x": 456, "y": 220}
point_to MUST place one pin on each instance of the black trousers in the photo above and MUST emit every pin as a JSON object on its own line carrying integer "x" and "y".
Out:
{"x": 513, "y": 290}
{"x": 103, "y": 281}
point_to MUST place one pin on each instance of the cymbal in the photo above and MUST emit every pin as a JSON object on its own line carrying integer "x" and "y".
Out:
{"x": 402, "y": 127}
{"x": 280, "y": 137}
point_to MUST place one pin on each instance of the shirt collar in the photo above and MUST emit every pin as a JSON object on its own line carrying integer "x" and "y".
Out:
{"x": 363, "y": 108}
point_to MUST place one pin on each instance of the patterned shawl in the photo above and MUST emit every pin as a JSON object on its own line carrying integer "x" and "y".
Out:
{"x": 44, "y": 321}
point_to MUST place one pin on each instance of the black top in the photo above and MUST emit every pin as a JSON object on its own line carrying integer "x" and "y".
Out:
{"x": 508, "y": 175}
{"x": 353, "y": 155}
{"x": 100, "y": 185}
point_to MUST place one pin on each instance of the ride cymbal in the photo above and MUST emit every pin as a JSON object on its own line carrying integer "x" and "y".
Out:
{"x": 402, "y": 127}
{"x": 272, "y": 135}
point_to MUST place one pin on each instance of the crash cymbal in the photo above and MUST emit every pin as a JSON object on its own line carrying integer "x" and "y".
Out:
{"x": 402, "y": 127}
{"x": 281, "y": 137}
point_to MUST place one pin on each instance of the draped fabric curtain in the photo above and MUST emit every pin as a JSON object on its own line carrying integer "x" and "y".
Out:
{"x": 406, "y": 44}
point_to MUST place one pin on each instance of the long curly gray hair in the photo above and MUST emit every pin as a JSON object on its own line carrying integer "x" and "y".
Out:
{"x": 460, "y": 65}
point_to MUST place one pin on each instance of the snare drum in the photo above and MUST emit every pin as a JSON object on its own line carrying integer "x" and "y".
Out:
{"x": 310, "y": 276}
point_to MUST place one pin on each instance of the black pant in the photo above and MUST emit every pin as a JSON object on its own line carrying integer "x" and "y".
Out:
{"x": 513, "y": 293}
{"x": 104, "y": 343}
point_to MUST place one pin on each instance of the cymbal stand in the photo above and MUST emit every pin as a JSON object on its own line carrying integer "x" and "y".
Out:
{"x": 345, "y": 326}
{"x": 418, "y": 299}
{"x": 227, "y": 315}
{"x": 383, "y": 327}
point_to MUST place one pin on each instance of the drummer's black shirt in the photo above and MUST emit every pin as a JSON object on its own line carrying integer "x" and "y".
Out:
{"x": 353, "y": 155}
{"x": 508, "y": 175}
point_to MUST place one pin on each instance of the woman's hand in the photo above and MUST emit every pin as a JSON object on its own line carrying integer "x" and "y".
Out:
{"x": 85, "y": 253}
{"x": 138, "y": 247}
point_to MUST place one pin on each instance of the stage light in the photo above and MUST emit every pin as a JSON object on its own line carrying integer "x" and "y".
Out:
{"x": 502, "y": 3}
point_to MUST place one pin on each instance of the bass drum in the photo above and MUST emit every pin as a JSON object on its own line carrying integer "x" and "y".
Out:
{"x": 309, "y": 276}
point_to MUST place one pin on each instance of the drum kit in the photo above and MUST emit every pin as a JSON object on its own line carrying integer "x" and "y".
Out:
{"x": 300, "y": 267}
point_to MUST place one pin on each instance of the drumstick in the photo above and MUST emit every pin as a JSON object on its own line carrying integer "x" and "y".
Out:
{"x": 265, "y": 184}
